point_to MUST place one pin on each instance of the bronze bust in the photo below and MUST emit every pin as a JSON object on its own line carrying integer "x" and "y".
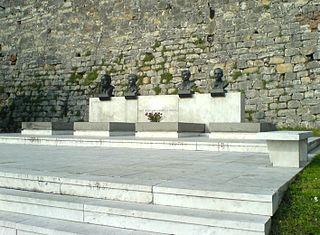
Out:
{"x": 218, "y": 87}
{"x": 106, "y": 89}
{"x": 185, "y": 88}
{"x": 132, "y": 90}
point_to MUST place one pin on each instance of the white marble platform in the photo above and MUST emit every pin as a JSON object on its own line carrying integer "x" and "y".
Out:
{"x": 194, "y": 143}
{"x": 164, "y": 191}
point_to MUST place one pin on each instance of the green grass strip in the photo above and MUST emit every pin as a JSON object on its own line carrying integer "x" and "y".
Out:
{"x": 299, "y": 212}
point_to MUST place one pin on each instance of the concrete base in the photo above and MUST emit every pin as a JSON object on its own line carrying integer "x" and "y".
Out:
{"x": 118, "y": 109}
{"x": 246, "y": 131}
{"x": 287, "y": 148}
{"x": 241, "y": 127}
{"x": 47, "y": 128}
{"x": 103, "y": 129}
{"x": 45, "y": 132}
{"x": 163, "y": 134}
{"x": 288, "y": 153}
{"x": 103, "y": 133}
{"x": 168, "y": 129}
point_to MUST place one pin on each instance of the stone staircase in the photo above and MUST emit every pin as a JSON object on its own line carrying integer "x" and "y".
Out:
{"x": 33, "y": 211}
{"x": 38, "y": 204}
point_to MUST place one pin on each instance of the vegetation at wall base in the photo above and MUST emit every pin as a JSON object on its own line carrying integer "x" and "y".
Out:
{"x": 299, "y": 212}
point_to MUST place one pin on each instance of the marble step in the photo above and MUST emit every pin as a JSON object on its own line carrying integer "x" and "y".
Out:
{"x": 201, "y": 143}
{"x": 135, "y": 216}
{"x": 313, "y": 143}
{"x": 232, "y": 144}
{"x": 264, "y": 202}
{"x": 23, "y": 224}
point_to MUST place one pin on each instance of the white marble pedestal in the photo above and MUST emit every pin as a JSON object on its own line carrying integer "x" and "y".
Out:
{"x": 287, "y": 148}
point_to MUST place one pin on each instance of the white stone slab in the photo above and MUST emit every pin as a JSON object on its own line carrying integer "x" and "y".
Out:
{"x": 103, "y": 133}
{"x": 203, "y": 108}
{"x": 131, "y": 215}
{"x": 118, "y": 109}
{"x": 107, "y": 193}
{"x": 220, "y": 204}
{"x": 8, "y": 231}
{"x": 36, "y": 132}
{"x": 22, "y": 224}
{"x": 287, "y": 148}
{"x": 163, "y": 226}
{"x": 45, "y": 132}
{"x": 284, "y": 135}
{"x": 164, "y": 134}
{"x": 288, "y": 153}
{"x": 168, "y": 105}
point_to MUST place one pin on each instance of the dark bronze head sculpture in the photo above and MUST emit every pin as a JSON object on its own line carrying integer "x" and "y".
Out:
{"x": 185, "y": 87}
{"x": 106, "y": 89}
{"x": 132, "y": 90}
{"x": 218, "y": 87}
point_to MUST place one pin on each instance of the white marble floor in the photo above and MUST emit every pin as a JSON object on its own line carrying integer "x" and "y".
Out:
{"x": 195, "y": 170}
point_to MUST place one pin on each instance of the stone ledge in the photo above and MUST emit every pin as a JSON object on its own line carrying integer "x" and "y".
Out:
{"x": 178, "y": 127}
{"x": 47, "y": 128}
{"x": 55, "y": 126}
{"x": 168, "y": 129}
{"x": 104, "y": 126}
{"x": 241, "y": 127}
{"x": 284, "y": 135}
{"x": 287, "y": 148}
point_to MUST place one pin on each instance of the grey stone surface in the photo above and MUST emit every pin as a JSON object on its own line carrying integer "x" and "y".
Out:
{"x": 287, "y": 148}
{"x": 54, "y": 126}
{"x": 119, "y": 166}
{"x": 241, "y": 127}
{"x": 148, "y": 217}
{"x": 170, "y": 127}
{"x": 36, "y": 125}
{"x": 285, "y": 135}
{"x": 104, "y": 126}
{"x": 132, "y": 175}
{"x": 22, "y": 224}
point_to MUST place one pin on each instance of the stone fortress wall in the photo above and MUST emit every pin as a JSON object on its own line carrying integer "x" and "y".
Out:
{"x": 53, "y": 52}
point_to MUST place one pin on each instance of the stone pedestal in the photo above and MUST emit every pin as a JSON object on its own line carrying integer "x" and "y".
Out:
{"x": 117, "y": 109}
{"x": 168, "y": 129}
{"x": 222, "y": 130}
{"x": 287, "y": 148}
{"x": 105, "y": 129}
{"x": 47, "y": 128}
{"x": 201, "y": 108}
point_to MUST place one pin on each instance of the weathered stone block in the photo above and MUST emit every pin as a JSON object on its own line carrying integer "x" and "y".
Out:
{"x": 276, "y": 60}
{"x": 250, "y": 70}
{"x": 284, "y": 68}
